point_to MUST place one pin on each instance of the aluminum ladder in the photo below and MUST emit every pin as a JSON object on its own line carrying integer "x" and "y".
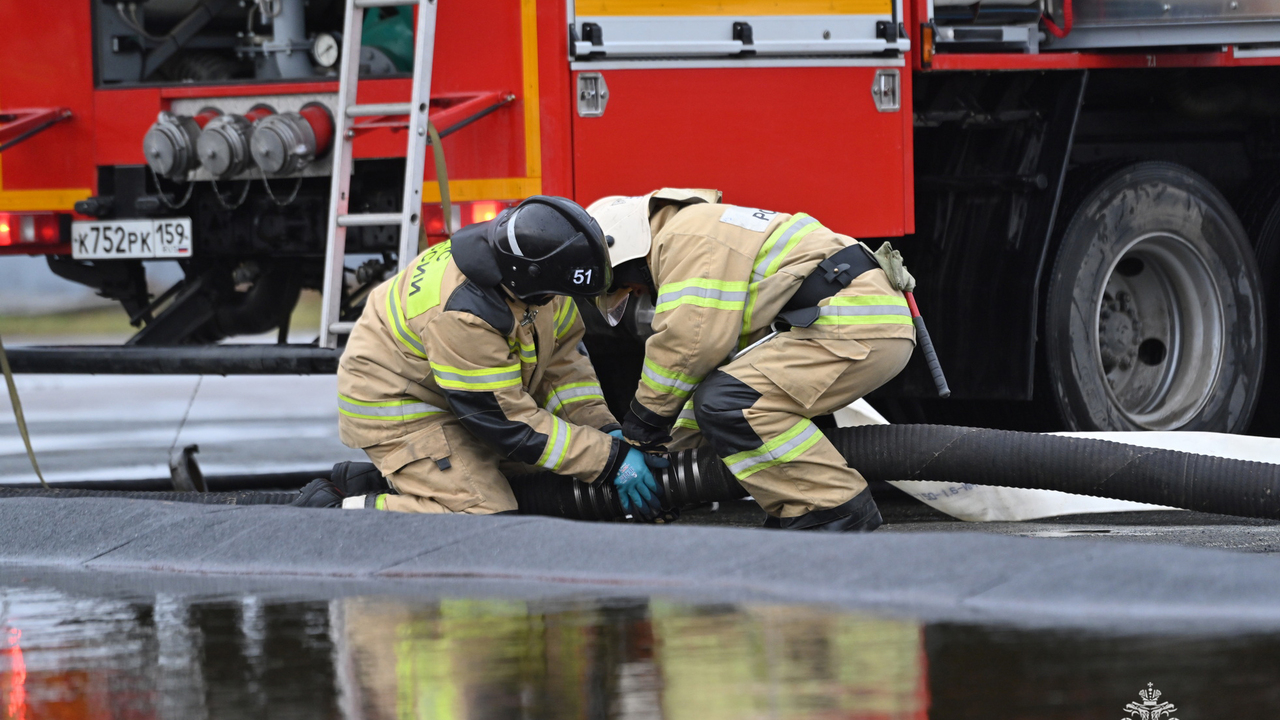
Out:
{"x": 417, "y": 109}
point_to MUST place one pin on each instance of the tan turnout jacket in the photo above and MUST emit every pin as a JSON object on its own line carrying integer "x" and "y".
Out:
{"x": 723, "y": 273}
{"x": 432, "y": 343}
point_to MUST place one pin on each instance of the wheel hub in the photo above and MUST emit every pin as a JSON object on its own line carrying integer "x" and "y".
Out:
{"x": 1160, "y": 332}
{"x": 1119, "y": 332}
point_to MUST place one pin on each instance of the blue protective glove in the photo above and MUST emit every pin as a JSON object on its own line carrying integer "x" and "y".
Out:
{"x": 638, "y": 490}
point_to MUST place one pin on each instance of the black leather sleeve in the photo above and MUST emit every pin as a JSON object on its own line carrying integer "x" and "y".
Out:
{"x": 481, "y": 414}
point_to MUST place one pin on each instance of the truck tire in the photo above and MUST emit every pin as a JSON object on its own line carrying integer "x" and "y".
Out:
{"x": 1154, "y": 317}
{"x": 1260, "y": 212}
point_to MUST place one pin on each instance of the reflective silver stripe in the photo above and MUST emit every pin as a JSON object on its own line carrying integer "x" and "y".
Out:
{"x": 566, "y": 321}
{"x": 757, "y": 273}
{"x": 864, "y": 310}
{"x": 664, "y": 381}
{"x": 387, "y": 411}
{"x": 511, "y": 234}
{"x": 560, "y": 397}
{"x": 561, "y": 440}
{"x": 687, "y": 414}
{"x": 726, "y": 295}
{"x": 476, "y": 379}
{"x": 772, "y": 455}
{"x": 402, "y": 332}
{"x": 528, "y": 356}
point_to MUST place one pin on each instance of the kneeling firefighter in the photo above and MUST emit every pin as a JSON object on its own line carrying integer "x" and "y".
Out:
{"x": 719, "y": 277}
{"x": 466, "y": 365}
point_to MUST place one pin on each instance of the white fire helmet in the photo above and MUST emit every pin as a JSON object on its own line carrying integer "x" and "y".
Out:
{"x": 625, "y": 219}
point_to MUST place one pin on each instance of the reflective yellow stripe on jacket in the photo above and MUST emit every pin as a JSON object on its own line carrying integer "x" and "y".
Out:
{"x": 668, "y": 381}
{"x": 719, "y": 294}
{"x": 479, "y": 380}
{"x": 865, "y": 310}
{"x": 387, "y": 410}
{"x": 565, "y": 316}
{"x": 781, "y": 241}
{"x": 688, "y": 418}
{"x": 399, "y": 323}
{"x": 528, "y": 352}
{"x": 572, "y": 393}
{"x": 424, "y": 279}
{"x": 557, "y": 445}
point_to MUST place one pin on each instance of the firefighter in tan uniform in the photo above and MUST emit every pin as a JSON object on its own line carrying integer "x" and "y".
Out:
{"x": 720, "y": 276}
{"x": 467, "y": 364}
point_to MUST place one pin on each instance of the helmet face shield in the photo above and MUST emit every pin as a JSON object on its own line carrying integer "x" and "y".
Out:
{"x": 613, "y": 305}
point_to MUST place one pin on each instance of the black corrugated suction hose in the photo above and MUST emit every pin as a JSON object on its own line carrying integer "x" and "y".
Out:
{"x": 1082, "y": 466}
{"x": 939, "y": 453}
{"x": 695, "y": 476}
{"x": 943, "y": 453}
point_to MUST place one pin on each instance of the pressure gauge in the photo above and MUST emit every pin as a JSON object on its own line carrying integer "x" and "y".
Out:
{"x": 325, "y": 50}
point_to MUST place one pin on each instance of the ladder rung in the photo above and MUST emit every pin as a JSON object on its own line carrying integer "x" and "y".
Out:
{"x": 382, "y": 3}
{"x": 378, "y": 109}
{"x": 341, "y": 328}
{"x": 367, "y": 219}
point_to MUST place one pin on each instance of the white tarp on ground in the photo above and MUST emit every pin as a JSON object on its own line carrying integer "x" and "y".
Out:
{"x": 976, "y": 503}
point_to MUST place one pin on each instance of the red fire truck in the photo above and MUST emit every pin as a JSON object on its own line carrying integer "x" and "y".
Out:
{"x": 1087, "y": 190}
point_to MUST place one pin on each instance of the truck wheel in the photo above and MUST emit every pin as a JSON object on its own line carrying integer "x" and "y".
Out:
{"x": 1260, "y": 212}
{"x": 1154, "y": 312}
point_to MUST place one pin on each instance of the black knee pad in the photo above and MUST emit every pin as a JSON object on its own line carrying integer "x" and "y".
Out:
{"x": 717, "y": 406}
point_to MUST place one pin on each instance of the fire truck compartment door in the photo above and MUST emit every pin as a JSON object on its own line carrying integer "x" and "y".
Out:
{"x": 790, "y": 139}
{"x": 738, "y": 28}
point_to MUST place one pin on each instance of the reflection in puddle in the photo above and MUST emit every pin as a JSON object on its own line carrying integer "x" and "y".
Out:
{"x": 163, "y": 656}
{"x": 493, "y": 659}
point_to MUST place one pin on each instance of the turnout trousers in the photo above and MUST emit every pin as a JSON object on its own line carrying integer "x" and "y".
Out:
{"x": 445, "y": 469}
{"x": 755, "y": 412}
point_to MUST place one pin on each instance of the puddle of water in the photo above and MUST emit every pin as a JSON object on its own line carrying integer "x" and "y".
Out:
{"x": 65, "y": 656}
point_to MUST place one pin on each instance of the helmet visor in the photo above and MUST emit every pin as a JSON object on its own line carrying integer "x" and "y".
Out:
{"x": 613, "y": 305}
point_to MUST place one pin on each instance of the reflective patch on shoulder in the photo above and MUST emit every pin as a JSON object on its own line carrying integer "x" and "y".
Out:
{"x": 752, "y": 219}
{"x": 486, "y": 304}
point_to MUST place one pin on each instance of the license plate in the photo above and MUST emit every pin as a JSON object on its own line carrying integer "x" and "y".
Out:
{"x": 131, "y": 239}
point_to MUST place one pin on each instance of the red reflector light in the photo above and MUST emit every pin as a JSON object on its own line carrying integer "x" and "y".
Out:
{"x": 29, "y": 229}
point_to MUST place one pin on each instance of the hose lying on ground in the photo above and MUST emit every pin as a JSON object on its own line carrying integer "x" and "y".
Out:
{"x": 942, "y": 453}
{"x": 241, "y": 497}
{"x": 938, "y": 453}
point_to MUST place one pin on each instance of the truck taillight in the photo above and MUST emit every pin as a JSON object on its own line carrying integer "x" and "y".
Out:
{"x": 483, "y": 210}
{"x": 464, "y": 213}
{"x": 30, "y": 229}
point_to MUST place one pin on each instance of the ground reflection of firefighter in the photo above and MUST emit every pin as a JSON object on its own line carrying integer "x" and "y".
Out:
{"x": 626, "y": 658}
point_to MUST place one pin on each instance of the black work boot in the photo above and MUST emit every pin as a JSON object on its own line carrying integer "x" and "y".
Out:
{"x": 359, "y": 478}
{"x": 319, "y": 493}
{"x": 857, "y": 515}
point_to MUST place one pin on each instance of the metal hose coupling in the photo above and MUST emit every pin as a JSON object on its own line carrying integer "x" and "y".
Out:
{"x": 697, "y": 476}
{"x": 694, "y": 477}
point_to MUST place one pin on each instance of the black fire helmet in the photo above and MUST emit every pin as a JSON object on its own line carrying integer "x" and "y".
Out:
{"x": 544, "y": 246}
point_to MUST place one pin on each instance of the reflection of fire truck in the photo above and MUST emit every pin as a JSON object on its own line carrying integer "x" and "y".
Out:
{"x": 1087, "y": 189}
